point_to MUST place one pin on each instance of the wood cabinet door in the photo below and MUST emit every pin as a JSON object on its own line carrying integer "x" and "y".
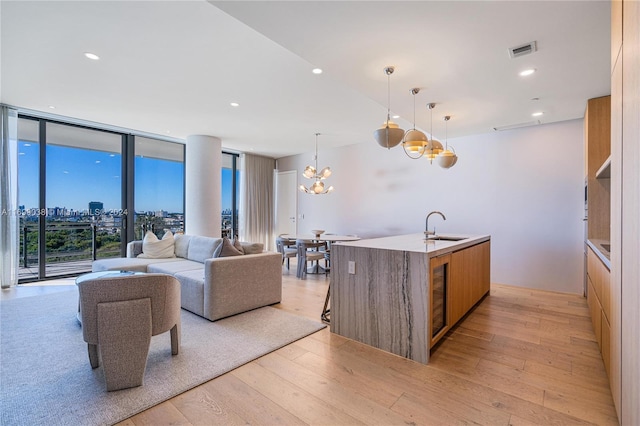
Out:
{"x": 470, "y": 279}
{"x": 459, "y": 287}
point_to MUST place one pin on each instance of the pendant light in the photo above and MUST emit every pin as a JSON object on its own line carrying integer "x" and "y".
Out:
{"x": 414, "y": 141}
{"x": 389, "y": 135}
{"x": 311, "y": 172}
{"x": 447, "y": 158}
{"x": 433, "y": 147}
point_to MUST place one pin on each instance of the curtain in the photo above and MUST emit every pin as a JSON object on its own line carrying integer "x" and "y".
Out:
{"x": 9, "y": 197}
{"x": 256, "y": 210}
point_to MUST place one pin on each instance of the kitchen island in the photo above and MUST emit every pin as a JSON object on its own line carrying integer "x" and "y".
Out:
{"x": 401, "y": 294}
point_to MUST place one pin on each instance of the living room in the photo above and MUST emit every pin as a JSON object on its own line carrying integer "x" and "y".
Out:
{"x": 523, "y": 186}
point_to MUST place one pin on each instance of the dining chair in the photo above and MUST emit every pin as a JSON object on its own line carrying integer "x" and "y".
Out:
{"x": 308, "y": 251}
{"x": 283, "y": 245}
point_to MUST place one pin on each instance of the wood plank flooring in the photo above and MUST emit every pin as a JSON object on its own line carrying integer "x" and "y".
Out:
{"x": 521, "y": 357}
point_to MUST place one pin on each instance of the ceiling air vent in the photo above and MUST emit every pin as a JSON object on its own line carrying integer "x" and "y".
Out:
{"x": 522, "y": 50}
{"x": 516, "y": 126}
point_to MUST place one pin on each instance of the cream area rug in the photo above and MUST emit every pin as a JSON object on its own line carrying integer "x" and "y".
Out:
{"x": 46, "y": 379}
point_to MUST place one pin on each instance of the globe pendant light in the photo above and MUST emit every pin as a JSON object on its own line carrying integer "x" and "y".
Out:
{"x": 310, "y": 172}
{"x": 447, "y": 158}
{"x": 389, "y": 135}
{"x": 433, "y": 147}
{"x": 414, "y": 141}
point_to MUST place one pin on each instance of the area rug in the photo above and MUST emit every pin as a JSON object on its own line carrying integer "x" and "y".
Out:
{"x": 46, "y": 379}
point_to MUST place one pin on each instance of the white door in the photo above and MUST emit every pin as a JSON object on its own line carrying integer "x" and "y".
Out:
{"x": 286, "y": 202}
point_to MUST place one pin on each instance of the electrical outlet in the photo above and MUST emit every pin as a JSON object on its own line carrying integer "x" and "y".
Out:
{"x": 352, "y": 267}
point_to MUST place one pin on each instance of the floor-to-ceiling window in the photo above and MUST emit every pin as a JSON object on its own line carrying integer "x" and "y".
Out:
{"x": 230, "y": 195}
{"x": 83, "y": 197}
{"x": 76, "y": 189}
{"x": 28, "y": 196}
{"x": 159, "y": 186}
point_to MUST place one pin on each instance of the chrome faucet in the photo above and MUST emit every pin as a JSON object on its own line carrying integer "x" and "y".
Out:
{"x": 426, "y": 224}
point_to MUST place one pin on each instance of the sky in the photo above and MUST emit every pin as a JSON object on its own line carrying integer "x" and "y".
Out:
{"x": 77, "y": 176}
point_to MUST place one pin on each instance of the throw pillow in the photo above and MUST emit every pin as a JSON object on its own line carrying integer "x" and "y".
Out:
{"x": 252, "y": 248}
{"x": 153, "y": 248}
{"x": 227, "y": 249}
{"x": 238, "y": 245}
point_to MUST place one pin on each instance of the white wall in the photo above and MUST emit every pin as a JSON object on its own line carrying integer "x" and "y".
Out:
{"x": 523, "y": 187}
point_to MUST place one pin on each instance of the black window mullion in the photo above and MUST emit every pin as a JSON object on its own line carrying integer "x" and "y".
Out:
{"x": 42, "y": 202}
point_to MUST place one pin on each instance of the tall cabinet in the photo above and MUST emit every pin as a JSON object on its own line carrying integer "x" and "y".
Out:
{"x": 625, "y": 210}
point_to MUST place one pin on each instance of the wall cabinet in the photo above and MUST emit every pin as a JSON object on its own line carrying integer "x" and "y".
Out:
{"x": 597, "y": 131}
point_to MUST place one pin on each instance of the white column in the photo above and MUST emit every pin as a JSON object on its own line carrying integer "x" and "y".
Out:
{"x": 203, "y": 165}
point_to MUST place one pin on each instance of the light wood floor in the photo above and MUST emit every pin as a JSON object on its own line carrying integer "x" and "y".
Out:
{"x": 522, "y": 357}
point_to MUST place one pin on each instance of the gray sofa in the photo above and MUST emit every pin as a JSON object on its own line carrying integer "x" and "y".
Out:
{"x": 212, "y": 287}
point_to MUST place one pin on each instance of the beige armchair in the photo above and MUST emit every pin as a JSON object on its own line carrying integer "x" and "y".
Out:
{"x": 119, "y": 314}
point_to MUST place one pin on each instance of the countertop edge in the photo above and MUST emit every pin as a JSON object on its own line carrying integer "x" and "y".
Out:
{"x": 595, "y": 246}
{"x": 415, "y": 243}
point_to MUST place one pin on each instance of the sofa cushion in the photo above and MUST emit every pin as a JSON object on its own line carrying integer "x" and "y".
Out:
{"x": 228, "y": 249}
{"x": 153, "y": 248}
{"x": 134, "y": 264}
{"x": 252, "y": 248}
{"x": 192, "y": 290}
{"x": 172, "y": 267}
{"x": 201, "y": 248}
{"x": 238, "y": 246}
{"x": 182, "y": 245}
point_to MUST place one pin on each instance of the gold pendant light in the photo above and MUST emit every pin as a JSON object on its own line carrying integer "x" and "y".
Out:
{"x": 390, "y": 134}
{"x": 447, "y": 158}
{"x": 414, "y": 141}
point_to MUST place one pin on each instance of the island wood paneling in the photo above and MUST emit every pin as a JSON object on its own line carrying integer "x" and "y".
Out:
{"x": 385, "y": 303}
{"x": 470, "y": 279}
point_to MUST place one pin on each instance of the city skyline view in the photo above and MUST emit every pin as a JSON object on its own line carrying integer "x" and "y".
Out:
{"x": 76, "y": 177}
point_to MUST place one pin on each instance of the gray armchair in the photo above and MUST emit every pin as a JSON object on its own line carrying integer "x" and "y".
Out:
{"x": 119, "y": 314}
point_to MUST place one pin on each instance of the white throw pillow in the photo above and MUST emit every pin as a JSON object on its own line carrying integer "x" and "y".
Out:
{"x": 153, "y": 248}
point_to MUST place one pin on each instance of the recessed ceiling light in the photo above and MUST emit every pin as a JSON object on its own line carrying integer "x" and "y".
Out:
{"x": 395, "y": 116}
{"x": 52, "y": 107}
{"x": 316, "y": 71}
{"x": 527, "y": 72}
{"x": 92, "y": 56}
{"x": 234, "y": 104}
{"x": 537, "y": 114}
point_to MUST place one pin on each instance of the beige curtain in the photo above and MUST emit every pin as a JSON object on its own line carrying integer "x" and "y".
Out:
{"x": 256, "y": 212}
{"x": 9, "y": 197}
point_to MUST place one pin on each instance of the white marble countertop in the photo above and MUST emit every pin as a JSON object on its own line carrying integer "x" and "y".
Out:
{"x": 416, "y": 243}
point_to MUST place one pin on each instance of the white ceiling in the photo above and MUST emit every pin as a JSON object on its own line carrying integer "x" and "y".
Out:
{"x": 173, "y": 67}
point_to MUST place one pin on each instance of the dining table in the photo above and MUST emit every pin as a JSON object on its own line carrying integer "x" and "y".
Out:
{"x": 321, "y": 237}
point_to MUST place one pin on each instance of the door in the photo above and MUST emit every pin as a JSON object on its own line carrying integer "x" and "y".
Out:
{"x": 286, "y": 202}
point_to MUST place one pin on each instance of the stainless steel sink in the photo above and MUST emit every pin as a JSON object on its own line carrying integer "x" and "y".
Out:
{"x": 444, "y": 238}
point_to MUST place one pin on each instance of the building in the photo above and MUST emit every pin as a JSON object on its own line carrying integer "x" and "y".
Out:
{"x": 96, "y": 208}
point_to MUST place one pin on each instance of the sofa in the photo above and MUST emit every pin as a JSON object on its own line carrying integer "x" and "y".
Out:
{"x": 212, "y": 287}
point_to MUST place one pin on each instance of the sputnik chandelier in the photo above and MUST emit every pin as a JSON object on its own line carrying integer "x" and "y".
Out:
{"x": 415, "y": 143}
{"x": 311, "y": 172}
